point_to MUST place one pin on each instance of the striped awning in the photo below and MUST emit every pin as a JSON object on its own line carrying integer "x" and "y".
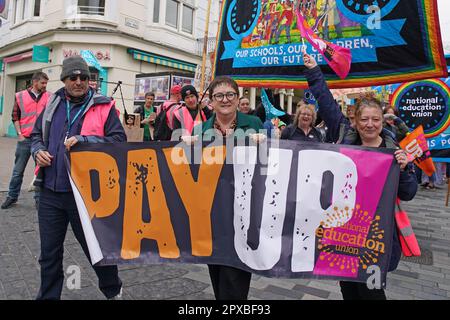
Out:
{"x": 164, "y": 61}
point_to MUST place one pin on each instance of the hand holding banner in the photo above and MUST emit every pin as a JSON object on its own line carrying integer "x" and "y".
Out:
{"x": 416, "y": 147}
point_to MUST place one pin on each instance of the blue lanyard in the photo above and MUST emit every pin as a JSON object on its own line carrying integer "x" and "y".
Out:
{"x": 70, "y": 123}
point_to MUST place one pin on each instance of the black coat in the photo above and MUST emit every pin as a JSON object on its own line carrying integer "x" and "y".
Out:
{"x": 337, "y": 122}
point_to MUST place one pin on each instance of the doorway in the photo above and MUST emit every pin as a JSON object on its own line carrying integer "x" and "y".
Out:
{"x": 23, "y": 82}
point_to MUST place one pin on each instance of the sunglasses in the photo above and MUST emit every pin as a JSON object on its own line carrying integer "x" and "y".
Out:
{"x": 82, "y": 78}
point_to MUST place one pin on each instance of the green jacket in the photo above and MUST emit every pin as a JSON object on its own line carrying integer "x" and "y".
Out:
{"x": 244, "y": 122}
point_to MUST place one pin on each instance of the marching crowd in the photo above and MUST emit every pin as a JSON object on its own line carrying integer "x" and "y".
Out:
{"x": 49, "y": 124}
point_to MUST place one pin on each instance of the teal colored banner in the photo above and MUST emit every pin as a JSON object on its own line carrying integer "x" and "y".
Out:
{"x": 41, "y": 54}
{"x": 364, "y": 49}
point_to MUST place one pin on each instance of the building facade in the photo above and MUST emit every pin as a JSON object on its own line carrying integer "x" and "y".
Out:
{"x": 145, "y": 44}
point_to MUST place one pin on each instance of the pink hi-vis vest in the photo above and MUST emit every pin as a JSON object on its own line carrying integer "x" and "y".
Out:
{"x": 95, "y": 120}
{"x": 29, "y": 110}
{"x": 169, "y": 107}
{"x": 408, "y": 241}
{"x": 185, "y": 118}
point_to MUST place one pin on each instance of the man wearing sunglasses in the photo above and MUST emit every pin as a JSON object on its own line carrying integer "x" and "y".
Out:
{"x": 74, "y": 114}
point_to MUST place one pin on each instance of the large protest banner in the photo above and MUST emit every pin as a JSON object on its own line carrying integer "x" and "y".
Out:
{"x": 426, "y": 103}
{"x": 283, "y": 210}
{"x": 259, "y": 44}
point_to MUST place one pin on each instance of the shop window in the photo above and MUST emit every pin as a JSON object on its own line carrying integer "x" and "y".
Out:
{"x": 94, "y": 7}
{"x": 23, "y": 82}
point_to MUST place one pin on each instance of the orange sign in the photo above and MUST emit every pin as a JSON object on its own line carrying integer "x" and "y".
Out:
{"x": 416, "y": 147}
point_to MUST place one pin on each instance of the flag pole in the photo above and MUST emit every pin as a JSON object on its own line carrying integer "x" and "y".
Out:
{"x": 205, "y": 47}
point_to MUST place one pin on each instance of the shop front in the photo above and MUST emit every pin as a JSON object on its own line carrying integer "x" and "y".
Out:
{"x": 160, "y": 84}
{"x": 138, "y": 71}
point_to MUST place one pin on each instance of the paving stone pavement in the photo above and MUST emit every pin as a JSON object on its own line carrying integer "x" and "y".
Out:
{"x": 19, "y": 268}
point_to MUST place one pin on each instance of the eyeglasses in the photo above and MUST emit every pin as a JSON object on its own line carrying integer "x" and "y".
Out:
{"x": 306, "y": 115}
{"x": 82, "y": 78}
{"x": 220, "y": 96}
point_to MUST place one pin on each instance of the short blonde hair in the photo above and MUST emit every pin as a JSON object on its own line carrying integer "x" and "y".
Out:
{"x": 308, "y": 107}
{"x": 367, "y": 100}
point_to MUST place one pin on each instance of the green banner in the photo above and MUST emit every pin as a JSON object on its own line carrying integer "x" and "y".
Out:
{"x": 41, "y": 54}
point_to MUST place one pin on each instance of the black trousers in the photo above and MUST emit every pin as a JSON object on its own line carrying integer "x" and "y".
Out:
{"x": 229, "y": 283}
{"x": 56, "y": 211}
{"x": 360, "y": 291}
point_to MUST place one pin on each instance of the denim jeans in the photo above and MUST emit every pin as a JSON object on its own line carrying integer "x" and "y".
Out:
{"x": 23, "y": 153}
{"x": 56, "y": 210}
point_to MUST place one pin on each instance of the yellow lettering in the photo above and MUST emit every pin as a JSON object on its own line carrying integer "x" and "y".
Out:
{"x": 197, "y": 196}
{"x": 380, "y": 247}
{"x": 108, "y": 175}
{"x": 345, "y": 237}
{"x": 143, "y": 170}
{"x": 352, "y": 240}
{"x": 319, "y": 232}
{"x": 370, "y": 244}
{"x": 328, "y": 234}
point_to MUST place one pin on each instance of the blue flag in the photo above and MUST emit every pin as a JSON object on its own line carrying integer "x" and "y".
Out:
{"x": 271, "y": 111}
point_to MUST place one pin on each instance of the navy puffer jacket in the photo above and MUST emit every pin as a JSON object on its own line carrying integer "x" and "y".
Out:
{"x": 339, "y": 130}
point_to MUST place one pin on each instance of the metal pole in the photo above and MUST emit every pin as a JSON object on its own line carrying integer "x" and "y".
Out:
{"x": 205, "y": 47}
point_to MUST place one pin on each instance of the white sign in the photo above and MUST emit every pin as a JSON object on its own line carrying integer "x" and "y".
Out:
{"x": 132, "y": 23}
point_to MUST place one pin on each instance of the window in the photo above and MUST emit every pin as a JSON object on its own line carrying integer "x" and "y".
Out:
{"x": 179, "y": 15}
{"x": 26, "y": 9}
{"x": 18, "y": 11}
{"x": 37, "y": 8}
{"x": 156, "y": 11}
{"x": 172, "y": 13}
{"x": 188, "y": 19}
{"x": 95, "y": 7}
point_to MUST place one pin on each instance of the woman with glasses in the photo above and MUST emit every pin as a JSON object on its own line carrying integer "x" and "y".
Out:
{"x": 228, "y": 283}
{"x": 303, "y": 127}
{"x": 226, "y": 119}
{"x": 368, "y": 132}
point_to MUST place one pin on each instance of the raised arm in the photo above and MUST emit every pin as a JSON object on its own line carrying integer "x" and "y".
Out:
{"x": 328, "y": 108}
